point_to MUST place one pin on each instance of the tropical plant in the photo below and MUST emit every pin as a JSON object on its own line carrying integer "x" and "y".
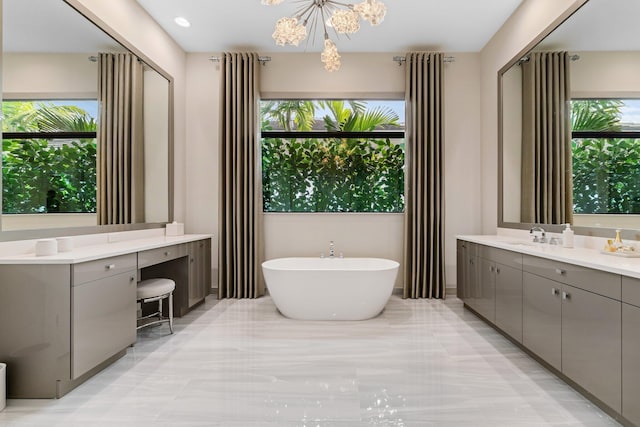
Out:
{"x": 333, "y": 174}
{"x": 39, "y": 175}
{"x": 606, "y": 171}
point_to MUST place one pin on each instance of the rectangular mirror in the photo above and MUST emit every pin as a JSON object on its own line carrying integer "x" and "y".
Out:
{"x": 586, "y": 146}
{"x": 55, "y": 125}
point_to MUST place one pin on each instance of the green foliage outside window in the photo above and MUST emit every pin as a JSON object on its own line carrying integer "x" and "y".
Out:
{"x": 47, "y": 176}
{"x": 606, "y": 171}
{"x": 331, "y": 174}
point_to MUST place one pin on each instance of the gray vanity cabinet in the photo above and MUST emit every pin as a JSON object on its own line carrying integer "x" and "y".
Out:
{"x": 103, "y": 311}
{"x": 199, "y": 271}
{"x": 571, "y": 319}
{"x": 541, "y": 318}
{"x": 35, "y": 304}
{"x": 508, "y": 291}
{"x": 631, "y": 349}
{"x": 485, "y": 297}
{"x": 591, "y": 343}
{"x": 467, "y": 272}
{"x": 499, "y": 297}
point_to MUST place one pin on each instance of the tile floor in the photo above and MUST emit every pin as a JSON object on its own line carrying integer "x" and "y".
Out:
{"x": 239, "y": 363}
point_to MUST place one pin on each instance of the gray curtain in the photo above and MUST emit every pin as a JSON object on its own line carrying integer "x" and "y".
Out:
{"x": 120, "y": 140}
{"x": 547, "y": 184}
{"x": 424, "y": 203}
{"x": 240, "y": 216}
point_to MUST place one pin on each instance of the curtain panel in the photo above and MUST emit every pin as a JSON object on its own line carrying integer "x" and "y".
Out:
{"x": 120, "y": 140}
{"x": 424, "y": 205}
{"x": 240, "y": 216}
{"x": 547, "y": 183}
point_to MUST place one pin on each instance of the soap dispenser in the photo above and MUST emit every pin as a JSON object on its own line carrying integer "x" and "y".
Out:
{"x": 567, "y": 236}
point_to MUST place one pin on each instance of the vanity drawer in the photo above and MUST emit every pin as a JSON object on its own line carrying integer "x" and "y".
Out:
{"x": 106, "y": 267}
{"x": 501, "y": 256}
{"x": 596, "y": 281}
{"x": 160, "y": 255}
{"x": 631, "y": 290}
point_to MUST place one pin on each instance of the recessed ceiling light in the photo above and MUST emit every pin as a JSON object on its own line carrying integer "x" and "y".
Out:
{"x": 182, "y": 21}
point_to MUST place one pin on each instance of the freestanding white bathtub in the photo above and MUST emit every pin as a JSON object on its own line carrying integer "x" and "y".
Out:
{"x": 330, "y": 288}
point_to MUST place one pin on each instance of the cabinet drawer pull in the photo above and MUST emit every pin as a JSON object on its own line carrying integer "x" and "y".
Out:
{"x": 566, "y": 295}
{"x": 110, "y": 266}
{"x": 560, "y": 271}
{"x": 554, "y": 292}
{"x": 167, "y": 253}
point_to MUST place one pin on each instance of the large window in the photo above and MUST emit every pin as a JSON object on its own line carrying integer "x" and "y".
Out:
{"x": 606, "y": 156}
{"x": 49, "y": 156}
{"x": 332, "y": 156}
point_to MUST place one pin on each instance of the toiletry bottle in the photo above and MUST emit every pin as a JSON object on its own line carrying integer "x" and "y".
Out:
{"x": 567, "y": 236}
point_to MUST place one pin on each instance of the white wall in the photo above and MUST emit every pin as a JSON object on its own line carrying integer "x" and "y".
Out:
{"x": 156, "y": 153}
{"x": 528, "y": 21}
{"x": 12, "y": 222}
{"x": 362, "y": 75}
{"x": 605, "y": 74}
{"x": 70, "y": 75}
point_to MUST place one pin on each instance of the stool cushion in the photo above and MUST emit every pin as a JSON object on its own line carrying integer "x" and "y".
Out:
{"x": 154, "y": 287}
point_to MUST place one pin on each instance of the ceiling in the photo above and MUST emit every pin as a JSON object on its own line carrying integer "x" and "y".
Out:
{"x": 444, "y": 25}
{"x": 51, "y": 27}
{"x": 599, "y": 25}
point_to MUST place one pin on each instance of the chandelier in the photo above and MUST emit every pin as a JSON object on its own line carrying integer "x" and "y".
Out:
{"x": 319, "y": 14}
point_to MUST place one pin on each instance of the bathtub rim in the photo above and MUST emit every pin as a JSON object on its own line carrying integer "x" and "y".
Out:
{"x": 386, "y": 264}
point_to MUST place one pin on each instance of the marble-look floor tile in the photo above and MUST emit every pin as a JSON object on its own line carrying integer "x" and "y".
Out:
{"x": 239, "y": 363}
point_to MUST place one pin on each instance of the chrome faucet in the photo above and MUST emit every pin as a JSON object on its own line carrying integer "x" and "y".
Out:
{"x": 332, "y": 251}
{"x": 538, "y": 238}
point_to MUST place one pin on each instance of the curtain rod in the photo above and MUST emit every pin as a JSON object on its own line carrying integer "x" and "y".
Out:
{"x": 525, "y": 58}
{"x": 262, "y": 59}
{"x": 401, "y": 59}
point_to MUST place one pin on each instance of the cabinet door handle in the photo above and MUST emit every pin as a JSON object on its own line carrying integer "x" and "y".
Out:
{"x": 498, "y": 270}
{"x": 491, "y": 269}
{"x": 110, "y": 266}
{"x": 566, "y": 295}
{"x": 132, "y": 279}
{"x": 560, "y": 271}
{"x": 554, "y": 292}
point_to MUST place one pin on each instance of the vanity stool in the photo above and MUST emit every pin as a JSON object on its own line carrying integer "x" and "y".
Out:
{"x": 151, "y": 290}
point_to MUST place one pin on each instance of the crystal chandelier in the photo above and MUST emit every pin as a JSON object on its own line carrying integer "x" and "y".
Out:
{"x": 342, "y": 17}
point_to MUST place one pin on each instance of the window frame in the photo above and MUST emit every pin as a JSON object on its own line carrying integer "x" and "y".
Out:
{"x": 324, "y": 134}
{"x": 49, "y": 136}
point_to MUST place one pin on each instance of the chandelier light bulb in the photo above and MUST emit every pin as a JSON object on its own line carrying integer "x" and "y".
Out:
{"x": 373, "y": 11}
{"x": 288, "y": 31}
{"x": 271, "y": 2}
{"x": 330, "y": 56}
{"x": 345, "y": 21}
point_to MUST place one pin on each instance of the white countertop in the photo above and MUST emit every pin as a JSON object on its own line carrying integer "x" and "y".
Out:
{"x": 591, "y": 258}
{"x": 90, "y": 252}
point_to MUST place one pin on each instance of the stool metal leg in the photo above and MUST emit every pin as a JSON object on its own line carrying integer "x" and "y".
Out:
{"x": 171, "y": 312}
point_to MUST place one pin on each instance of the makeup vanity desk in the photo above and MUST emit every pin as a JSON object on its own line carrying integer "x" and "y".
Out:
{"x": 65, "y": 317}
